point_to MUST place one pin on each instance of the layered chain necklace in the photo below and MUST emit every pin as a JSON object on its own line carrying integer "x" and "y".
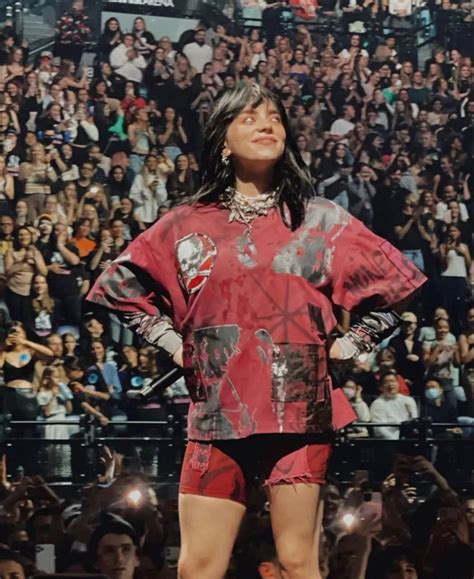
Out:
{"x": 245, "y": 209}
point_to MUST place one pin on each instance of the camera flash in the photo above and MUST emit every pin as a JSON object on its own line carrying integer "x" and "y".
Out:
{"x": 135, "y": 496}
{"x": 348, "y": 519}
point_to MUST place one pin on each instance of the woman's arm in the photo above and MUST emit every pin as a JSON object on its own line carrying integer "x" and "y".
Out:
{"x": 69, "y": 256}
{"x": 132, "y": 135}
{"x": 163, "y": 138}
{"x": 9, "y": 187}
{"x": 463, "y": 250}
{"x": 182, "y": 134}
{"x": 97, "y": 258}
{"x": 466, "y": 353}
{"x": 91, "y": 130}
{"x": 401, "y": 230}
{"x": 41, "y": 266}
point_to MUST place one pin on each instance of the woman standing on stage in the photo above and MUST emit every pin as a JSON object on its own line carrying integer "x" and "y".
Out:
{"x": 238, "y": 286}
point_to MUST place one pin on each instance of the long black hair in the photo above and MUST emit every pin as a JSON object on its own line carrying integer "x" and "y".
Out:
{"x": 291, "y": 178}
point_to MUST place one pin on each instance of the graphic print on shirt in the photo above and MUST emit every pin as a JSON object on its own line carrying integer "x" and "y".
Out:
{"x": 311, "y": 252}
{"x": 196, "y": 255}
{"x": 215, "y": 348}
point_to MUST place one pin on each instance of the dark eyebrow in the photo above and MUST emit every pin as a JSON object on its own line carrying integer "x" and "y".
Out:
{"x": 252, "y": 111}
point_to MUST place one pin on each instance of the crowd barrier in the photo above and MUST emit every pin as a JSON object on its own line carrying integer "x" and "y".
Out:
{"x": 157, "y": 448}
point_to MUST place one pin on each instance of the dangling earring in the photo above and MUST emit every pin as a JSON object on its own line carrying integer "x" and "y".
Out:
{"x": 225, "y": 159}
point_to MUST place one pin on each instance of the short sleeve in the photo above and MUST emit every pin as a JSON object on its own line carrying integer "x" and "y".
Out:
{"x": 368, "y": 272}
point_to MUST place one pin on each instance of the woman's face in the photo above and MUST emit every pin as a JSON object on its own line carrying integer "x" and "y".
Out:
{"x": 299, "y": 56}
{"x": 97, "y": 351}
{"x": 84, "y": 229}
{"x": 126, "y": 205}
{"x": 89, "y": 211}
{"x": 24, "y": 238}
{"x": 151, "y": 163}
{"x": 442, "y": 330}
{"x": 377, "y": 142}
{"x": 70, "y": 342}
{"x": 182, "y": 162}
{"x": 428, "y": 199}
{"x": 454, "y": 209}
{"x": 21, "y": 208}
{"x": 37, "y": 153}
{"x": 113, "y": 25}
{"x": 142, "y": 115}
{"x": 139, "y": 24}
{"x": 302, "y": 143}
{"x": 170, "y": 114}
{"x": 67, "y": 151}
{"x": 118, "y": 174}
{"x": 106, "y": 69}
{"x": 256, "y": 135}
{"x": 340, "y": 151}
{"x": 18, "y": 56}
{"x": 12, "y": 89}
{"x": 55, "y": 111}
{"x": 456, "y": 144}
{"x": 40, "y": 285}
{"x": 130, "y": 354}
{"x": 70, "y": 191}
{"x": 453, "y": 232}
{"x": 143, "y": 358}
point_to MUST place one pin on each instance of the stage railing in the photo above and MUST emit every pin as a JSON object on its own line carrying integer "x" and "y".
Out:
{"x": 158, "y": 446}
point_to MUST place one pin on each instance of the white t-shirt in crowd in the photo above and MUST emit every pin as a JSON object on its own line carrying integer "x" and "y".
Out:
{"x": 396, "y": 410}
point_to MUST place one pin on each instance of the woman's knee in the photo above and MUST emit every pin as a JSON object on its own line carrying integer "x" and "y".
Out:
{"x": 199, "y": 567}
{"x": 298, "y": 561}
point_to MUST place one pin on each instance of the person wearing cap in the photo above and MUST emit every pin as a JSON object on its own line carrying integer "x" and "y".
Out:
{"x": 114, "y": 547}
{"x": 409, "y": 351}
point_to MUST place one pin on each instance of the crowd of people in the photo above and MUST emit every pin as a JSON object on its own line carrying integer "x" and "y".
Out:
{"x": 92, "y": 156}
{"x": 118, "y": 528}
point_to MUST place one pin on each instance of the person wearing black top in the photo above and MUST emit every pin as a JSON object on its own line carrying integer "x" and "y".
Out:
{"x": 410, "y": 237}
{"x": 109, "y": 39}
{"x": 409, "y": 352}
{"x": 387, "y": 203}
{"x": 64, "y": 273}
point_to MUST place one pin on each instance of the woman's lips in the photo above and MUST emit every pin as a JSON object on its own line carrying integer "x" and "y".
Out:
{"x": 265, "y": 141}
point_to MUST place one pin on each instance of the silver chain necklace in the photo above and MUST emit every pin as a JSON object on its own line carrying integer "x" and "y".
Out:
{"x": 245, "y": 209}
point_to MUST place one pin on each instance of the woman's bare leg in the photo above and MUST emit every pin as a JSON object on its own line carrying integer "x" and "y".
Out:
{"x": 209, "y": 528}
{"x": 295, "y": 511}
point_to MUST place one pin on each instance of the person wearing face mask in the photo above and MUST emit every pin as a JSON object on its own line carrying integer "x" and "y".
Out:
{"x": 353, "y": 392}
{"x": 437, "y": 406}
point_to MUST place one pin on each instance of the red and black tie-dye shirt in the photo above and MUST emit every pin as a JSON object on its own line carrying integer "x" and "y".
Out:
{"x": 253, "y": 314}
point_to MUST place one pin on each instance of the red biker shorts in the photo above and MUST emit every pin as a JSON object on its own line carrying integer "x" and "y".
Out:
{"x": 228, "y": 469}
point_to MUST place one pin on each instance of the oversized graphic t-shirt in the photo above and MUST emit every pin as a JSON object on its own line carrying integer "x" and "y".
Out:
{"x": 254, "y": 310}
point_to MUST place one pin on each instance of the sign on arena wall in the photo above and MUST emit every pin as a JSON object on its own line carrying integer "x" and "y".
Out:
{"x": 155, "y": 3}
